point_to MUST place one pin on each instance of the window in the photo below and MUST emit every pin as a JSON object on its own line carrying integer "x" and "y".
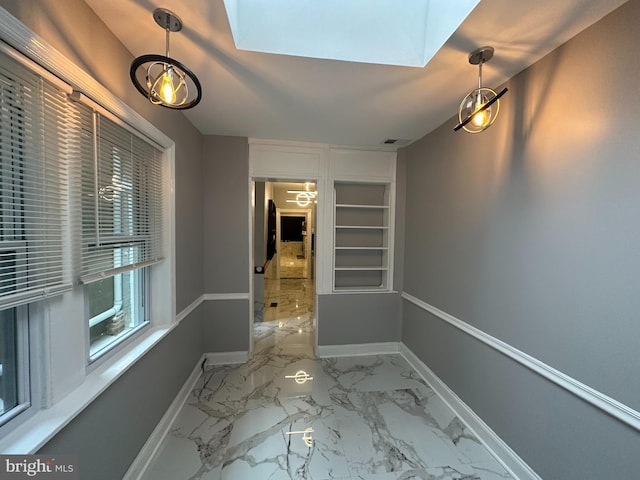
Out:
{"x": 34, "y": 208}
{"x": 121, "y": 185}
{"x": 81, "y": 210}
{"x": 9, "y": 397}
{"x": 14, "y": 363}
{"x": 33, "y": 186}
{"x": 116, "y": 308}
{"x": 121, "y": 202}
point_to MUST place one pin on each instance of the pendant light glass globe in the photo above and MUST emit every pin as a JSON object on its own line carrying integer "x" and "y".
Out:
{"x": 162, "y": 79}
{"x": 478, "y": 106}
{"x": 166, "y": 85}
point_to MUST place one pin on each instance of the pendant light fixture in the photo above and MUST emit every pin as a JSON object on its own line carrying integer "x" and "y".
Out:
{"x": 479, "y": 109}
{"x": 160, "y": 78}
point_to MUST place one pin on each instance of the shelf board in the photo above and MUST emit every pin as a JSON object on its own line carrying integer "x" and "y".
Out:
{"x": 361, "y": 269}
{"x": 362, "y": 248}
{"x": 347, "y": 205}
{"x": 361, "y": 289}
{"x": 364, "y": 227}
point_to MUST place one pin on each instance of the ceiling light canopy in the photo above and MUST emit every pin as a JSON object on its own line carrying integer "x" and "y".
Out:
{"x": 407, "y": 33}
{"x": 162, "y": 79}
{"x": 479, "y": 109}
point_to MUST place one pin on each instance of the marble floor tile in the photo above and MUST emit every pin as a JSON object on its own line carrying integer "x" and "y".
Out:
{"x": 287, "y": 415}
{"x": 288, "y": 298}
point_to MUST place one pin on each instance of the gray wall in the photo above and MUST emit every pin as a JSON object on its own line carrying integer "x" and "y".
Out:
{"x": 226, "y": 242}
{"x": 558, "y": 435}
{"x": 345, "y": 319}
{"x": 400, "y": 220}
{"x": 530, "y": 232}
{"x": 226, "y": 214}
{"x": 121, "y": 419}
{"x": 108, "y": 434}
{"x": 226, "y": 326}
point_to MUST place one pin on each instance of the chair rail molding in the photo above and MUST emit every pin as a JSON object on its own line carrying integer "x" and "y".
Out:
{"x": 598, "y": 399}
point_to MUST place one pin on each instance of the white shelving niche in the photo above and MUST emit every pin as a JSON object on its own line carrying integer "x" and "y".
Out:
{"x": 362, "y": 236}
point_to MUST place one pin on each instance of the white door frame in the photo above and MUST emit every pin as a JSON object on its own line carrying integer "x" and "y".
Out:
{"x": 260, "y": 178}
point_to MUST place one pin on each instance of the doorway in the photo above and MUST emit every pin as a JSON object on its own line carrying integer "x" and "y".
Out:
{"x": 294, "y": 245}
{"x": 284, "y": 229}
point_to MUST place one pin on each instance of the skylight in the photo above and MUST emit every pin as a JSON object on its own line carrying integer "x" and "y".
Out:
{"x": 391, "y": 32}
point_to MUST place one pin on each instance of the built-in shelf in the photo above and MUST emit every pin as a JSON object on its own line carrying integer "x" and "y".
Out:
{"x": 361, "y": 236}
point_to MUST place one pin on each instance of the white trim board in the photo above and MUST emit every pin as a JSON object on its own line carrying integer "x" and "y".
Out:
{"x": 32, "y": 434}
{"x": 507, "y": 457}
{"x": 187, "y": 311}
{"x": 496, "y": 446}
{"x": 153, "y": 443}
{"x": 206, "y": 297}
{"x": 226, "y": 296}
{"x": 226, "y": 358}
{"x": 598, "y": 399}
{"x": 358, "y": 349}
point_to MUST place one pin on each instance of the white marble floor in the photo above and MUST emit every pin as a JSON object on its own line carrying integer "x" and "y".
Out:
{"x": 287, "y": 298}
{"x": 287, "y": 415}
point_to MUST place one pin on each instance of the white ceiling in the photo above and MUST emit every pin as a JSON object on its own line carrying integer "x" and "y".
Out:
{"x": 281, "y": 97}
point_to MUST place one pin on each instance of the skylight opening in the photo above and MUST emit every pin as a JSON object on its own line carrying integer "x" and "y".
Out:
{"x": 389, "y": 32}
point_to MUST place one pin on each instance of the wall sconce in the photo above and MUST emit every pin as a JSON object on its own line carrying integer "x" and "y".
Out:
{"x": 166, "y": 81}
{"x": 479, "y": 109}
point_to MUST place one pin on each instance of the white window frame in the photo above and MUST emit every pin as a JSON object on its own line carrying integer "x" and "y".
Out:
{"x": 23, "y": 388}
{"x": 68, "y": 383}
{"x": 139, "y": 289}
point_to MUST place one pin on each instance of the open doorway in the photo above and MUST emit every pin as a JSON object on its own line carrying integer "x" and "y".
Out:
{"x": 294, "y": 243}
{"x": 285, "y": 291}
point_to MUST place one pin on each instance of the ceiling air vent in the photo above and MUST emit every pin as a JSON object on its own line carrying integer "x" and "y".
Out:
{"x": 396, "y": 141}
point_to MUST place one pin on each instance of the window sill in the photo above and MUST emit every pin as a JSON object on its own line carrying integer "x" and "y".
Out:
{"x": 29, "y": 437}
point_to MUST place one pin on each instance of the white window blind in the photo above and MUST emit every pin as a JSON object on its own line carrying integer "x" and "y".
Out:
{"x": 121, "y": 185}
{"x": 35, "y": 145}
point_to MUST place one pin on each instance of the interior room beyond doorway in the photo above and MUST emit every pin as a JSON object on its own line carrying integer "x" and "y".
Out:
{"x": 284, "y": 314}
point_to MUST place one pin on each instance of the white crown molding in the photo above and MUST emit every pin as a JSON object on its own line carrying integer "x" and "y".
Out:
{"x": 598, "y": 399}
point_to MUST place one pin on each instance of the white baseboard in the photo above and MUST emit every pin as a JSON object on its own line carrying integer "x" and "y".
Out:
{"x": 503, "y": 453}
{"x": 226, "y": 296}
{"x": 358, "y": 349}
{"x": 596, "y": 398}
{"x": 226, "y": 358}
{"x": 153, "y": 443}
{"x": 507, "y": 457}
